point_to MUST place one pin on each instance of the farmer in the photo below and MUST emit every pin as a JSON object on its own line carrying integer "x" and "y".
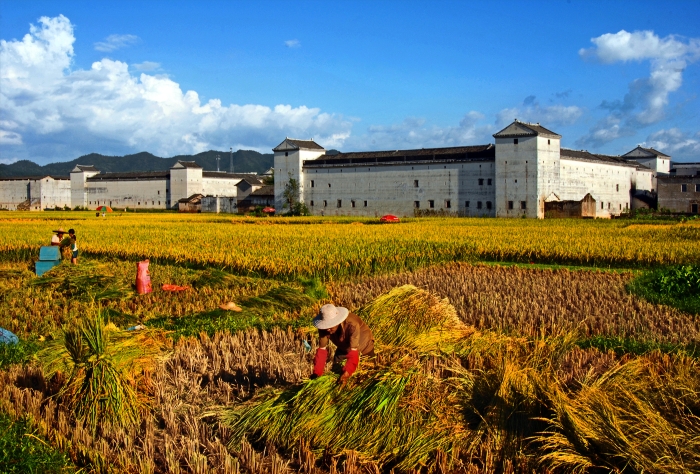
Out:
{"x": 351, "y": 336}
{"x": 73, "y": 247}
{"x": 57, "y": 237}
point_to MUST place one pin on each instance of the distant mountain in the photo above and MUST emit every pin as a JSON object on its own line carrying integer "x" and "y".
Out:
{"x": 243, "y": 161}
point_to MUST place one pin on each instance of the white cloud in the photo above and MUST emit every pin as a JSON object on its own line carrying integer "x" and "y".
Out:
{"x": 58, "y": 113}
{"x": 414, "y": 133}
{"x": 647, "y": 98}
{"x": 8, "y": 161}
{"x": 114, "y": 42}
{"x": 674, "y": 142}
{"x": 532, "y": 111}
{"x": 146, "y": 66}
{"x": 294, "y": 43}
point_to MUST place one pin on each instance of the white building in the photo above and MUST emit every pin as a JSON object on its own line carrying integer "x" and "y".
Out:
{"x": 526, "y": 173}
{"x": 87, "y": 187}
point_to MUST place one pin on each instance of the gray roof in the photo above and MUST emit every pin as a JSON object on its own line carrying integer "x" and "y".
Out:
{"x": 252, "y": 180}
{"x": 299, "y": 144}
{"x": 187, "y": 164}
{"x": 131, "y": 176}
{"x": 651, "y": 151}
{"x": 194, "y": 199}
{"x": 268, "y": 190}
{"x": 583, "y": 155}
{"x": 87, "y": 168}
{"x": 422, "y": 155}
{"x": 33, "y": 178}
{"x": 525, "y": 129}
{"x": 224, "y": 174}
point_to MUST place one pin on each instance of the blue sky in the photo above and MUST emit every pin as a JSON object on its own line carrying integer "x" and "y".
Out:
{"x": 181, "y": 77}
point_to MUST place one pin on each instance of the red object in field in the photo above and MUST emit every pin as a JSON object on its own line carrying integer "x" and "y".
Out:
{"x": 389, "y": 218}
{"x": 143, "y": 278}
{"x": 268, "y": 210}
{"x": 168, "y": 287}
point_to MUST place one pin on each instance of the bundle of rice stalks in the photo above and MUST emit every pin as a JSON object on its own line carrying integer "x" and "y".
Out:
{"x": 213, "y": 278}
{"x": 397, "y": 416}
{"x": 88, "y": 281}
{"x": 411, "y": 318}
{"x": 282, "y": 298}
{"x": 640, "y": 416}
{"x": 101, "y": 365}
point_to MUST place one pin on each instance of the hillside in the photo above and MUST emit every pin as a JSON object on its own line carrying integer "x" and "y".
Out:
{"x": 243, "y": 161}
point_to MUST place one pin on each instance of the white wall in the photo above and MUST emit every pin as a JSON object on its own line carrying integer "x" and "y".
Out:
{"x": 53, "y": 192}
{"x": 516, "y": 177}
{"x": 185, "y": 182}
{"x": 13, "y": 192}
{"x": 220, "y": 187}
{"x": 135, "y": 194}
{"x": 288, "y": 164}
{"x": 609, "y": 185}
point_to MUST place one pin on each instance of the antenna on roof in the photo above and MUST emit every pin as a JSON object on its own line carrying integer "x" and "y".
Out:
{"x": 231, "y": 159}
{"x": 217, "y": 162}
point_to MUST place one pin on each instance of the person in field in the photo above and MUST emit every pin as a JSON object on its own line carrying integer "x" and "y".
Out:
{"x": 351, "y": 336}
{"x": 73, "y": 247}
{"x": 57, "y": 237}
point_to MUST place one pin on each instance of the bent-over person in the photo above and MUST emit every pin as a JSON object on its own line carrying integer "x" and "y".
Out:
{"x": 351, "y": 336}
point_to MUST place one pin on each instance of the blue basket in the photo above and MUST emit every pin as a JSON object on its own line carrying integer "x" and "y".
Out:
{"x": 43, "y": 266}
{"x": 50, "y": 253}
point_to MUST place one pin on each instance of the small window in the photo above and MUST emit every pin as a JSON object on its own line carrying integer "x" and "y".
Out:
{"x": 481, "y": 181}
{"x": 286, "y": 153}
{"x": 488, "y": 205}
{"x": 478, "y": 205}
{"x": 329, "y": 185}
{"x": 620, "y": 206}
{"x": 488, "y": 181}
{"x": 159, "y": 203}
{"x": 694, "y": 208}
{"x": 548, "y": 142}
{"x": 325, "y": 203}
{"x": 312, "y": 183}
{"x": 617, "y": 187}
{"x": 608, "y": 205}
{"x": 416, "y": 204}
{"x": 365, "y": 203}
{"x": 431, "y": 204}
{"x": 139, "y": 203}
{"x": 602, "y": 205}
{"x": 166, "y": 190}
{"x": 515, "y": 141}
{"x": 684, "y": 188}
{"x": 352, "y": 203}
{"x": 697, "y": 188}
{"x": 510, "y": 204}
{"x": 415, "y": 183}
{"x": 158, "y": 191}
{"x": 523, "y": 205}
{"x": 448, "y": 204}
{"x": 340, "y": 203}
{"x": 311, "y": 203}
{"x": 516, "y": 180}
{"x": 466, "y": 204}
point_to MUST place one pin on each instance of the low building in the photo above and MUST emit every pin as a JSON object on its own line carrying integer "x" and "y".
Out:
{"x": 263, "y": 197}
{"x": 679, "y": 193}
{"x": 35, "y": 193}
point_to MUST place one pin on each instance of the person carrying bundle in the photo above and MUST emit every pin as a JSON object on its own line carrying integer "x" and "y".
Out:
{"x": 351, "y": 336}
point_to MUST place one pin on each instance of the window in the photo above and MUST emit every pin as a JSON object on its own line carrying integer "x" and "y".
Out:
{"x": 516, "y": 180}
{"x": 488, "y": 205}
{"x": 415, "y": 183}
{"x": 548, "y": 142}
{"x": 139, "y": 203}
{"x": 684, "y": 188}
{"x": 158, "y": 191}
{"x": 697, "y": 188}
{"x": 481, "y": 181}
{"x": 286, "y": 153}
{"x": 510, "y": 204}
{"x": 478, "y": 205}
{"x": 352, "y": 203}
{"x": 515, "y": 141}
{"x": 602, "y": 205}
{"x": 608, "y": 205}
{"x": 431, "y": 204}
{"x": 448, "y": 204}
{"x": 329, "y": 185}
{"x": 620, "y": 206}
{"x": 365, "y": 203}
{"x": 617, "y": 187}
{"x": 312, "y": 183}
{"x": 416, "y": 204}
{"x": 311, "y": 203}
{"x": 159, "y": 203}
{"x": 325, "y": 203}
{"x": 488, "y": 181}
{"x": 466, "y": 204}
{"x": 523, "y": 205}
{"x": 340, "y": 203}
{"x": 694, "y": 208}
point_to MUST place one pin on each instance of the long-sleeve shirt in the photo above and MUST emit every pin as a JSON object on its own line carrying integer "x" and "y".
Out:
{"x": 352, "y": 333}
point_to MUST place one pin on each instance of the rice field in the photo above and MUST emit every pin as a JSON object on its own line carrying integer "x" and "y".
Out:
{"x": 480, "y": 367}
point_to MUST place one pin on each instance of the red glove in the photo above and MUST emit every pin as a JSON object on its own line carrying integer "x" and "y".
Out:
{"x": 352, "y": 361}
{"x": 320, "y": 361}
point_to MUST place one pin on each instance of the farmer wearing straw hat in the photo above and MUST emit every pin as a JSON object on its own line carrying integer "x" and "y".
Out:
{"x": 351, "y": 336}
{"x": 58, "y": 237}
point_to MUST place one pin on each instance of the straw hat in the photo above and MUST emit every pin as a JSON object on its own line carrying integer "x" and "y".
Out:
{"x": 330, "y": 316}
{"x": 230, "y": 306}
{"x": 59, "y": 231}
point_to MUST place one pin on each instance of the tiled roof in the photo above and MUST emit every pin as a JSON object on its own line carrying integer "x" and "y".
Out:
{"x": 462, "y": 153}
{"x": 583, "y": 155}
{"x": 224, "y": 174}
{"x": 33, "y": 178}
{"x": 268, "y": 190}
{"x": 194, "y": 199}
{"x": 252, "y": 180}
{"x": 305, "y": 144}
{"x": 656, "y": 152}
{"x": 87, "y": 168}
{"x": 130, "y": 176}
{"x": 187, "y": 164}
{"x": 526, "y": 130}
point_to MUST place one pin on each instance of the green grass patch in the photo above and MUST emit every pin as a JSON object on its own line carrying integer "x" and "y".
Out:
{"x": 23, "y": 452}
{"x": 676, "y": 286}
{"x": 626, "y": 345}
{"x": 17, "y": 353}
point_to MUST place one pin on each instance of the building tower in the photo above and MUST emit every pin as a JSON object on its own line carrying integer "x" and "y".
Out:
{"x": 185, "y": 180}
{"x": 289, "y": 164}
{"x": 78, "y": 188}
{"x": 527, "y": 169}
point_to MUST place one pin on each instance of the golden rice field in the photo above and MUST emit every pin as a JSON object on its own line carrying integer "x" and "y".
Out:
{"x": 280, "y": 247}
{"x": 480, "y": 368}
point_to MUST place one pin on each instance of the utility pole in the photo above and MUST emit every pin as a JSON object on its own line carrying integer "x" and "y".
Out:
{"x": 217, "y": 162}
{"x": 231, "y": 160}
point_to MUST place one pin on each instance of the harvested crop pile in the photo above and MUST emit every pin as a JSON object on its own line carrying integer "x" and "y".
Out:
{"x": 441, "y": 395}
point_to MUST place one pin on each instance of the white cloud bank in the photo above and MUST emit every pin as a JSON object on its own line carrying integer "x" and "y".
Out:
{"x": 49, "y": 112}
{"x": 648, "y": 98}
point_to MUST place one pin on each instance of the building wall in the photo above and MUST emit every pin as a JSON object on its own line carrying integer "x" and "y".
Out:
{"x": 672, "y": 196}
{"x": 51, "y": 192}
{"x": 219, "y": 187}
{"x": 517, "y": 178}
{"x": 13, "y": 192}
{"x": 184, "y": 182}
{"x": 395, "y": 189}
{"x": 609, "y": 185}
{"x": 288, "y": 165}
{"x": 134, "y": 194}
{"x": 78, "y": 188}
{"x": 219, "y": 204}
